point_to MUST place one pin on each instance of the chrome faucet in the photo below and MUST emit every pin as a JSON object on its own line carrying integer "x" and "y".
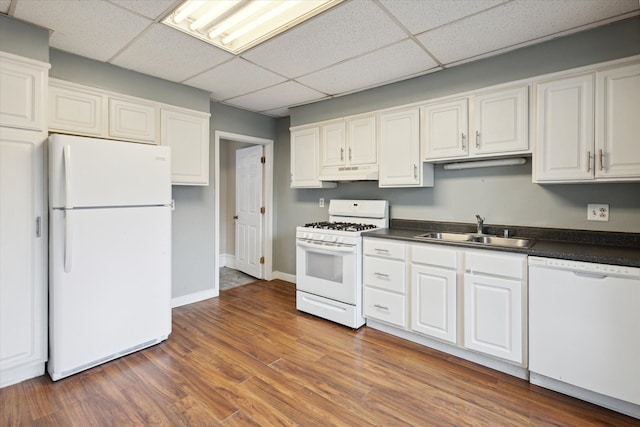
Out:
{"x": 480, "y": 224}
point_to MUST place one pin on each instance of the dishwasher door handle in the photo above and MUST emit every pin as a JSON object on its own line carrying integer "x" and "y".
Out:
{"x": 590, "y": 275}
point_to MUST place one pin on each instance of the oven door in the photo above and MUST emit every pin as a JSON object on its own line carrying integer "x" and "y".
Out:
{"x": 327, "y": 270}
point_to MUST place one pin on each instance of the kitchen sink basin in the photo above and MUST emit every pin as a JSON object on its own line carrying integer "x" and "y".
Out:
{"x": 477, "y": 238}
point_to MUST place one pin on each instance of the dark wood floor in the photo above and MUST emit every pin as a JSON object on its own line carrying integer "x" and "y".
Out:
{"x": 249, "y": 358}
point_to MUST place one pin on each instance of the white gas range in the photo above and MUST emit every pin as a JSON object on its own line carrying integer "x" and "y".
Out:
{"x": 329, "y": 260}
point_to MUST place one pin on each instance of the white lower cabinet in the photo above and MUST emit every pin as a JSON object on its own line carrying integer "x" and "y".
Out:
{"x": 495, "y": 304}
{"x": 384, "y": 277}
{"x": 434, "y": 283}
{"x": 23, "y": 257}
{"x": 471, "y": 303}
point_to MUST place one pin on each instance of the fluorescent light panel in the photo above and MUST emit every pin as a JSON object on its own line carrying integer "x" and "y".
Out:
{"x": 237, "y": 25}
{"x": 485, "y": 163}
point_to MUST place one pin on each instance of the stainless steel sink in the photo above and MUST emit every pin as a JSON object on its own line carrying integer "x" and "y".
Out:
{"x": 477, "y": 238}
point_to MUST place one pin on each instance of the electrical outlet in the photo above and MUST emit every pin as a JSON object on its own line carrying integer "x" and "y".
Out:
{"x": 597, "y": 212}
{"x": 321, "y": 202}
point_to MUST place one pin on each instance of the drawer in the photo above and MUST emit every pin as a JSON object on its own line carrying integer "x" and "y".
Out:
{"x": 384, "y": 274}
{"x": 434, "y": 255}
{"x": 385, "y": 306}
{"x": 384, "y": 248}
{"x": 496, "y": 264}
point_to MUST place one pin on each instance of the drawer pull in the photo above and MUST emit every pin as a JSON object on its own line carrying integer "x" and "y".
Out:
{"x": 381, "y": 307}
{"x": 386, "y": 251}
{"x": 381, "y": 275}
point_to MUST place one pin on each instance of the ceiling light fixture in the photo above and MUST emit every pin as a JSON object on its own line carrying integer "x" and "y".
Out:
{"x": 485, "y": 163}
{"x": 237, "y": 25}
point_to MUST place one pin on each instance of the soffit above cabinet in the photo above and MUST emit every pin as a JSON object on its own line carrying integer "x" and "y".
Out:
{"x": 354, "y": 46}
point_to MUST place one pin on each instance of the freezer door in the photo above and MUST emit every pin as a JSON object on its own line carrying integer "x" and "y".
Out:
{"x": 89, "y": 172}
{"x": 110, "y": 284}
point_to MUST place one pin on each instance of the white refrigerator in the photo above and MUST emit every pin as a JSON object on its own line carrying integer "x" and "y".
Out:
{"x": 110, "y": 250}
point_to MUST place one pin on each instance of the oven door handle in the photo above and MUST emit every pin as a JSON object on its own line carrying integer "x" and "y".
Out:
{"x": 322, "y": 248}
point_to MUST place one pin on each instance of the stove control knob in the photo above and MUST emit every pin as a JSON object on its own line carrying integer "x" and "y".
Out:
{"x": 332, "y": 238}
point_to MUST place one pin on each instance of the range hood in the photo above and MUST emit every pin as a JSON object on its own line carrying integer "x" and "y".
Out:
{"x": 349, "y": 173}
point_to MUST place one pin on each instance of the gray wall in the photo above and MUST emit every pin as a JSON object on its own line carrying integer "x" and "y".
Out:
{"x": 24, "y": 39}
{"x": 504, "y": 195}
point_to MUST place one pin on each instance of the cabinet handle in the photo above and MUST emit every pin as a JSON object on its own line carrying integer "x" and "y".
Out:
{"x": 601, "y": 160}
{"x": 349, "y": 153}
{"x": 588, "y": 161}
{"x": 381, "y": 306}
{"x": 415, "y": 171}
{"x": 39, "y": 226}
{"x": 464, "y": 140}
{"x": 341, "y": 154}
{"x": 381, "y": 275}
{"x": 477, "y": 139}
{"x": 386, "y": 251}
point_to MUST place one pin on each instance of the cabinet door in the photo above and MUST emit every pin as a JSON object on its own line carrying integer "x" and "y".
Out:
{"x": 433, "y": 302}
{"x": 564, "y": 129}
{"x": 618, "y": 122}
{"x": 493, "y": 322}
{"x": 501, "y": 122}
{"x": 133, "y": 121}
{"x": 23, "y": 257}
{"x": 361, "y": 140}
{"x": 188, "y": 137}
{"x": 23, "y": 83}
{"x": 332, "y": 144}
{"x": 445, "y": 130}
{"x": 400, "y": 164}
{"x": 305, "y": 165}
{"x": 76, "y": 111}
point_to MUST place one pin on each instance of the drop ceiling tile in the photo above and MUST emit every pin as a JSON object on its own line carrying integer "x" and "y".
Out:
{"x": 150, "y": 8}
{"x": 234, "y": 78}
{"x": 170, "y": 54}
{"x": 94, "y": 29}
{"x": 423, "y": 15}
{"x": 279, "y": 112}
{"x": 350, "y": 29}
{"x": 398, "y": 61}
{"x": 275, "y": 97}
{"x": 515, "y": 23}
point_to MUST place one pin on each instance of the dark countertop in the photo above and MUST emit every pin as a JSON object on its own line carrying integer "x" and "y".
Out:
{"x": 577, "y": 245}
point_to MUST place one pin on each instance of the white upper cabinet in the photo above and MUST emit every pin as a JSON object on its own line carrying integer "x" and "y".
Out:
{"x": 348, "y": 148}
{"x": 446, "y": 130}
{"x": 501, "y": 121}
{"x": 617, "y": 138}
{"x": 486, "y": 124}
{"x": 187, "y": 133}
{"x": 332, "y": 144}
{"x": 361, "y": 139}
{"x": 133, "y": 120}
{"x": 400, "y": 164}
{"x": 587, "y": 127}
{"x": 564, "y": 129}
{"x": 23, "y": 83}
{"x": 73, "y": 109}
{"x": 305, "y": 164}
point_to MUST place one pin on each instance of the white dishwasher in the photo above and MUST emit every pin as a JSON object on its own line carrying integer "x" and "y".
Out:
{"x": 584, "y": 331}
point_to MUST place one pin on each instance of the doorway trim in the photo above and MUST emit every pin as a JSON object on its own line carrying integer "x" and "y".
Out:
{"x": 268, "y": 201}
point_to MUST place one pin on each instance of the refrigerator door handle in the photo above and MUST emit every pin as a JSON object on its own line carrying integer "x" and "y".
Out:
{"x": 67, "y": 176}
{"x": 68, "y": 239}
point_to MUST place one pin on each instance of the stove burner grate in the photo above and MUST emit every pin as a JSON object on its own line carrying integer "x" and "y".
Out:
{"x": 342, "y": 226}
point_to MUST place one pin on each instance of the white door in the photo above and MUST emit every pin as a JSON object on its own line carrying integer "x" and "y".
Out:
{"x": 400, "y": 163}
{"x": 249, "y": 173}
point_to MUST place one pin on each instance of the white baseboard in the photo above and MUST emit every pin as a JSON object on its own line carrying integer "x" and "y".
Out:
{"x": 284, "y": 276}
{"x": 194, "y": 297}
{"x": 228, "y": 260}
